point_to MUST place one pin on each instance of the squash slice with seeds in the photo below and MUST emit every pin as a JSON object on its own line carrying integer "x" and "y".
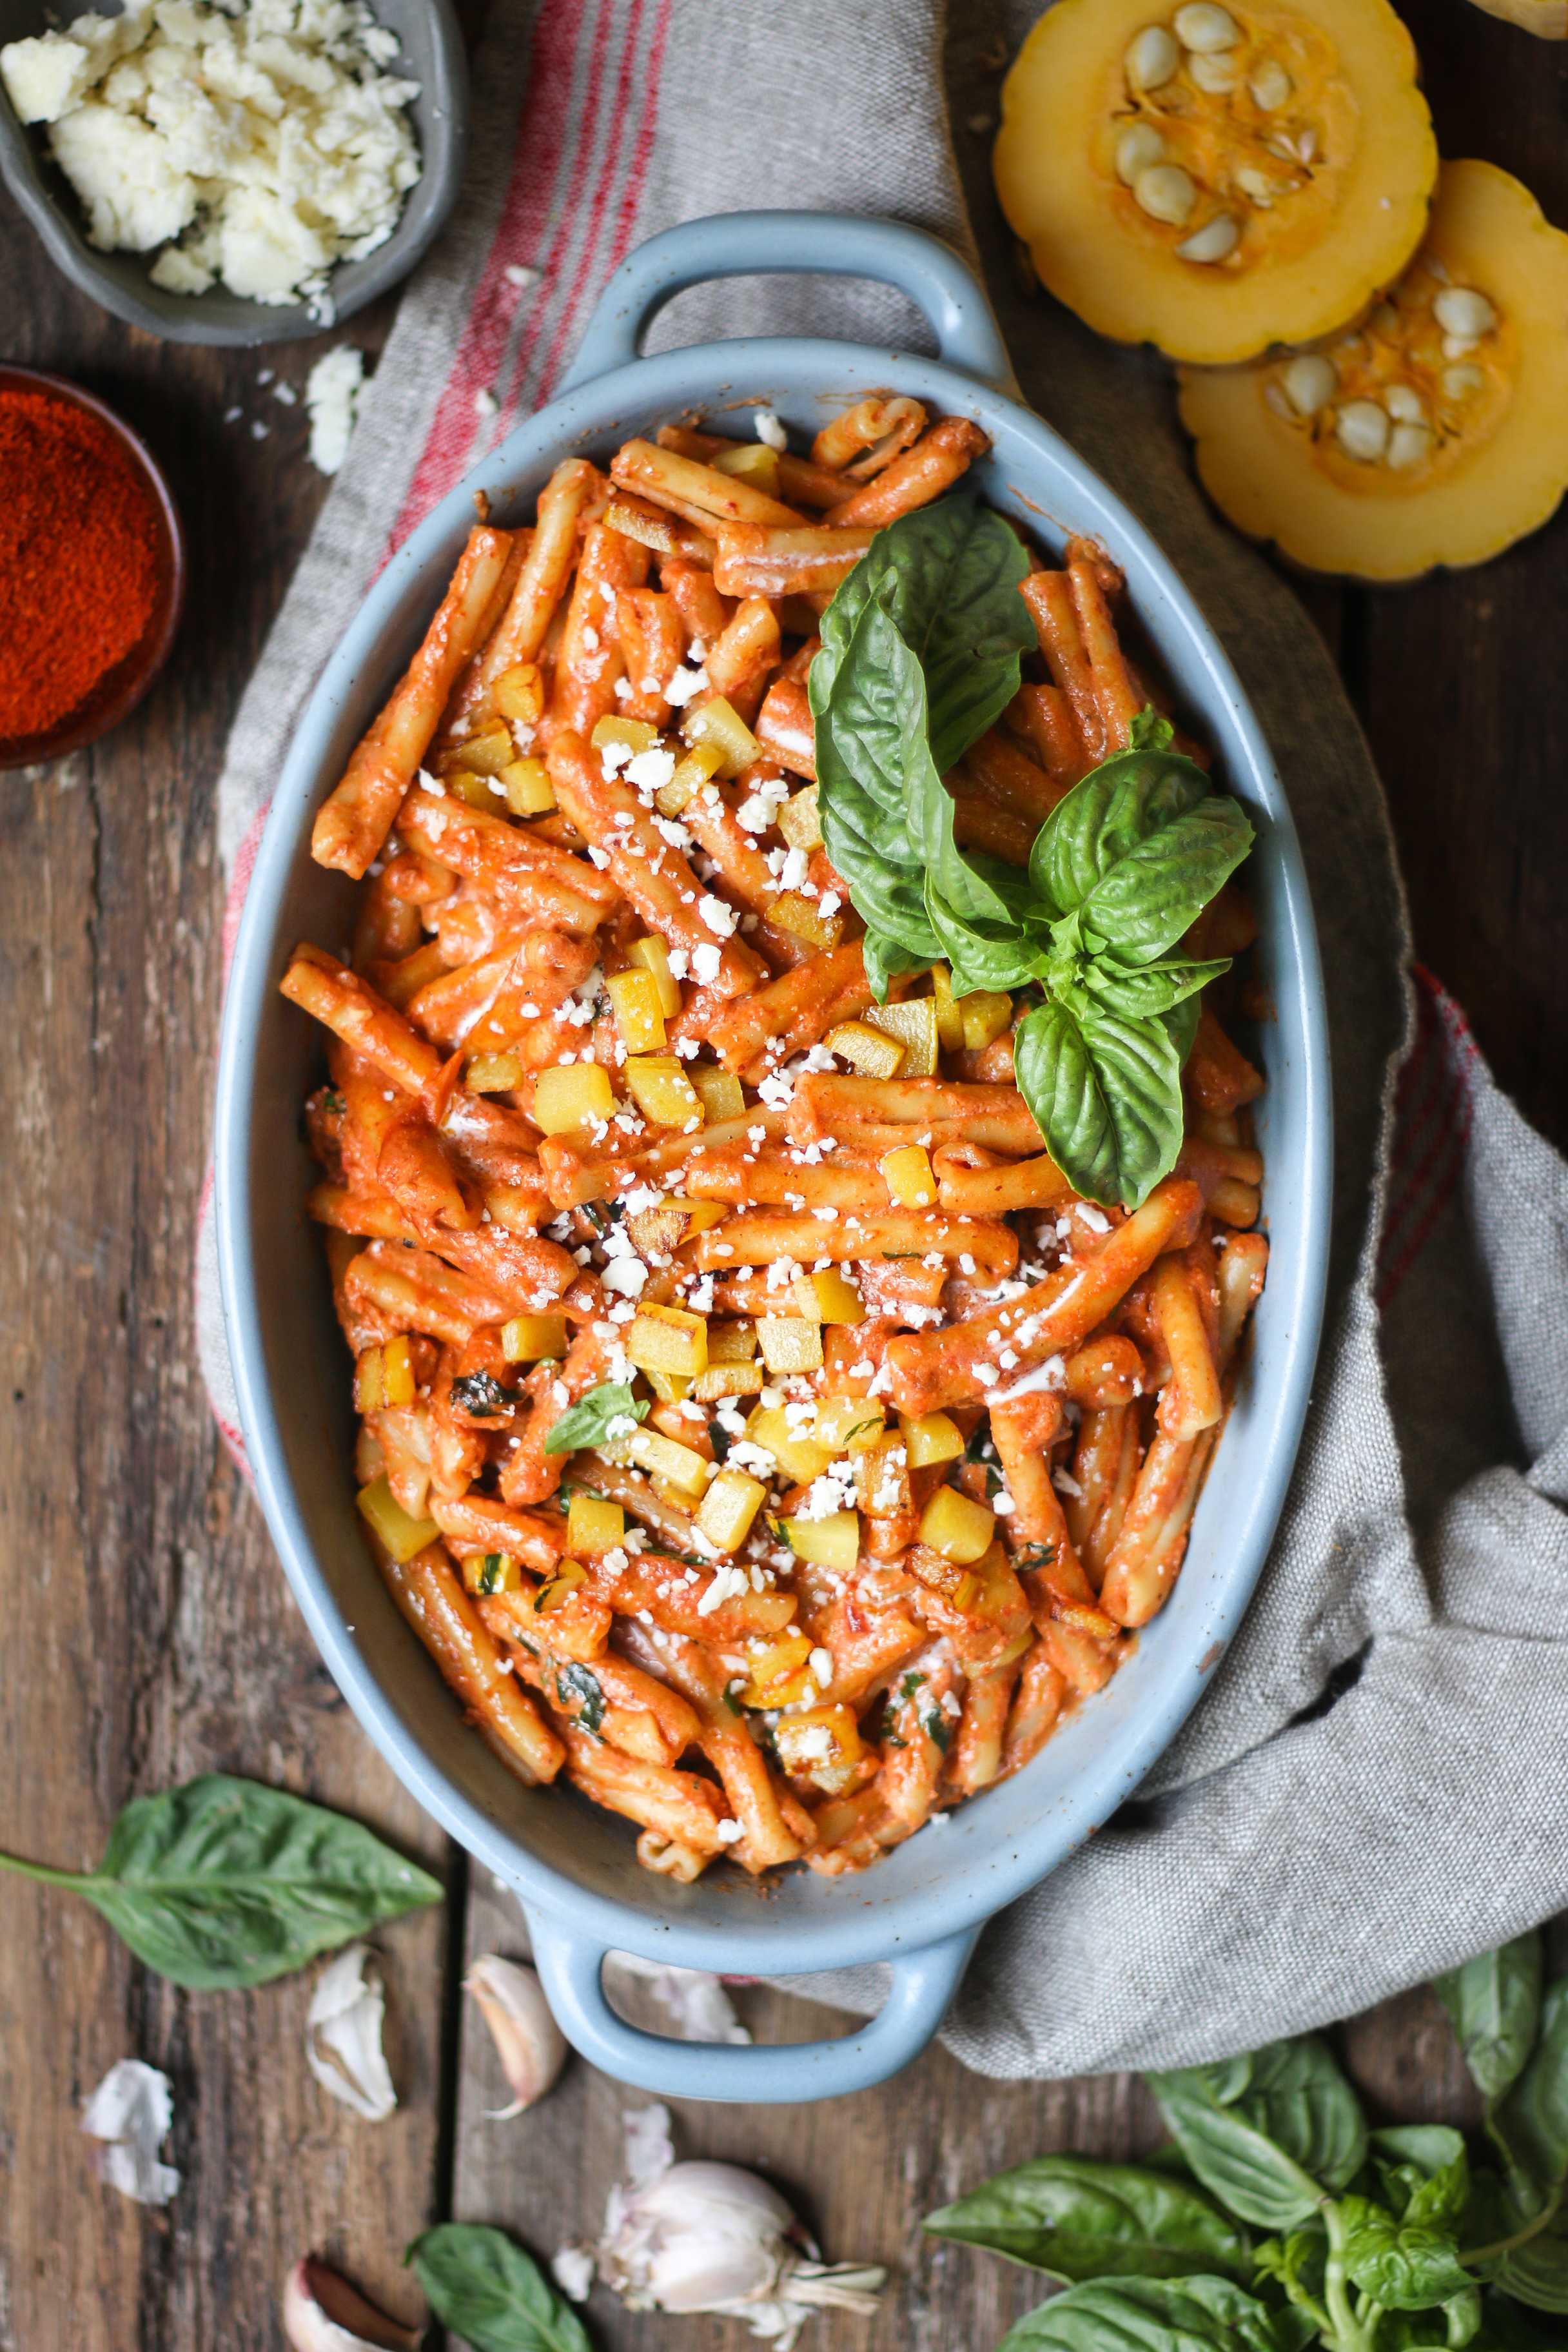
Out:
{"x": 1433, "y": 433}
{"x": 1216, "y": 179}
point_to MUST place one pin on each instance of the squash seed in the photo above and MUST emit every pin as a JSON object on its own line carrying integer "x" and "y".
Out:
{"x": 1203, "y": 25}
{"x": 1212, "y": 242}
{"x": 1310, "y": 381}
{"x": 1460, "y": 311}
{"x": 1139, "y": 149}
{"x": 1165, "y": 193}
{"x": 1150, "y": 59}
{"x": 1362, "y": 430}
{"x": 1405, "y": 405}
{"x": 1269, "y": 85}
{"x": 1214, "y": 70}
{"x": 1408, "y": 444}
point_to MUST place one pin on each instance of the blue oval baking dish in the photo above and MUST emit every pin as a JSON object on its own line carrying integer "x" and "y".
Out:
{"x": 571, "y": 1865}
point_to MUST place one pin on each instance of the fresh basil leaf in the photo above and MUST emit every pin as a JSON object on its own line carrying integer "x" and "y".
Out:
{"x": 1150, "y": 731}
{"x": 987, "y": 955}
{"x": 1079, "y": 2219}
{"x": 589, "y": 1421}
{"x": 1268, "y": 2143}
{"x": 1154, "y": 894}
{"x": 1494, "y": 2003}
{"x": 948, "y": 576}
{"x": 225, "y": 1883}
{"x": 1450, "y": 2323}
{"x": 1112, "y": 811}
{"x": 1190, "y": 2314}
{"x": 1431, "y": 2148}
{"x": 1537, "y": 2271}
{"x": 1300, "y": 2262}
{"x": 1154, "y": 988}
{"x": 483, "y": 2287}
{"x": 1182, "y": 1022}
{"x": 582, "y": 1683}
{"x": 1506, "y": 2328}
{"x": 1105, "y": 1092}
{"x": 1530, "y": 2125}
{"x": 874, "y": 774}
{"x": 1406, "y": 2266}
{"x": 883, "y": 957}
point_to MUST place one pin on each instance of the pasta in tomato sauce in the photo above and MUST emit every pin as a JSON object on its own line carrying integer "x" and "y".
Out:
{"x": 760, "y": 1429}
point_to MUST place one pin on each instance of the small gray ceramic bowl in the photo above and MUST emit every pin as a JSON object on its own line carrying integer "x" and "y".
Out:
{"x": 432, "y": 55}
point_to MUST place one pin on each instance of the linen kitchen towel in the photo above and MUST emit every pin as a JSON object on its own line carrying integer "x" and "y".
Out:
{"x": 1371, "y": 1789}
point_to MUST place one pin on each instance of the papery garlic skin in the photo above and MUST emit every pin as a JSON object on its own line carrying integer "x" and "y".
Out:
{"x": 530, "y": 2045}
{"x": 128, "y": 2117}
{"x": 342, "y": 2036}
{"x": 694, "y": 2004}
{"x": 322, "y": 2312}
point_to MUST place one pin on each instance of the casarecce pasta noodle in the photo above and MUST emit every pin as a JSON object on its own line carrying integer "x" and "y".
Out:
{"x": 884, "y": 1441}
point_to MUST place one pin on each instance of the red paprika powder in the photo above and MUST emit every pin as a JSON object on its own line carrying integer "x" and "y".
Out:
{"x": 78, "y": 558}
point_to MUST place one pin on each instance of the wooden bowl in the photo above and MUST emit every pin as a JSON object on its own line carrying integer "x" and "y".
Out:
{"x": 119, "y": 689}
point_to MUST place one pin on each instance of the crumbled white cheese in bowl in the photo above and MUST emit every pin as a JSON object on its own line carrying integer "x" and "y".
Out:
{"x": 257, "y": 142}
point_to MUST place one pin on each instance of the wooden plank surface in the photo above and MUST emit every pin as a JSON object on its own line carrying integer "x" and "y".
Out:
{"x": 151, "y": 1633}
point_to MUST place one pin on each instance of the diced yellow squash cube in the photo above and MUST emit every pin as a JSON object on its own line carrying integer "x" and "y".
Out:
{"x": 827, "y": 1297}
{"x": 780, "y": 1671}
{"x": 718, "y": 723}
{"x": 797, "y": 1456}
{"x": 669, "y": 1339}
{"x": 634, "y": 735}
{"x": 653, "y": 956}
{"x": 567, "y": 1098}
{"x": 476, "y": 790}
{"x": 528, "y": 791}
{"x": 833, "y": 1542}
{"x": 491, "y": 1571}
{"x": 985, "y": 1014}
{"x": 799, "y": 821}
{"x": 555, "y": 1594}
{"x": 789, "y": 1343}
{"x": 822, "y": 1745}
{"x": 593, "y": 1525}
{"x": 660, "y": 1228}
{"x": 930, "y": 1438}
{"x": 719, "y": 1090}
{"x": 492, "y": 1074}
{"x": 703, "y": 761}
{"x": 913, "y": 1023}
{"x": 701, "y": 1215}
{"x": 670, "y": 1388}
{"x": 534, "y": 1338}
{"x": 396, "y": 1532}
{"x": 949, "y": 1019}
{"x": 519, "y": 693}
{"x": 369, "y": 1393}
{"x": 728, "y": 1509}
{"x": 882, "y": 1476}
{"x": 661, "y": 1090}
{"x": 722, "y": 1381}
{"x": 483, "y": 754}
{"x": 848, "y": 1425}
{"x": 753, "y": 462}
{"x": 909, "y": 1179}
{"x": 397, "y": 1371}
{"x": 678, "y": 1465}
{"x": 960, "y": 1530}
{"x": 794, "y": 912}
{"x": 870, "y": 1053}
{"x": 639, "y": 1015}
{"x": 731, "y": 1343}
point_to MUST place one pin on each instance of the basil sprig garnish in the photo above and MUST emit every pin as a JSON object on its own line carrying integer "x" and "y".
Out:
{"x": 920, "y": 653}
{"x": 226, "y": 1881}
{"x": 1392, "y": 2239}
{"x": 589, "y": 1421}
{"x": 485, "y": 2289}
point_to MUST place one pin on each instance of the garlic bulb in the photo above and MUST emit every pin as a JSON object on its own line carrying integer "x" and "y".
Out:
{"x": 322, "y": 2312}
{"x": 713, "y": 2238}
{"x": 530, "y": 2045}
{"x": 342, "y": 2036}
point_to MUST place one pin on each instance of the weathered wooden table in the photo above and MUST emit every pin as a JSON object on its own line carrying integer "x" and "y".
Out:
{"x": 149, "y": 1633}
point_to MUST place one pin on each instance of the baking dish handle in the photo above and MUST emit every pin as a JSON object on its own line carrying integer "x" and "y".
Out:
{"x": 772, "y": 2074}
{"x": 836, "y": 245}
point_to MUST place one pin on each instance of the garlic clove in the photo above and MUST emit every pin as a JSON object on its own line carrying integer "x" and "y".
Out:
{"x": 530, "y": 2045}
{"x": 322, "y": 2312}
{"x": 342, "y": 2036}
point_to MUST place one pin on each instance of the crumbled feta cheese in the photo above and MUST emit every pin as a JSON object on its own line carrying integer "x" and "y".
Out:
{"x": 685, "y": 686}
{"x": 332, "y": 401}
{"x": 728, "y": 1832}
{"x": 650, "y": 770}
{"x": 706, "y": 959}
{"x": 268, "y": 142}
{"x": 770, "y": 430}
{"x": 718, "y": 913}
